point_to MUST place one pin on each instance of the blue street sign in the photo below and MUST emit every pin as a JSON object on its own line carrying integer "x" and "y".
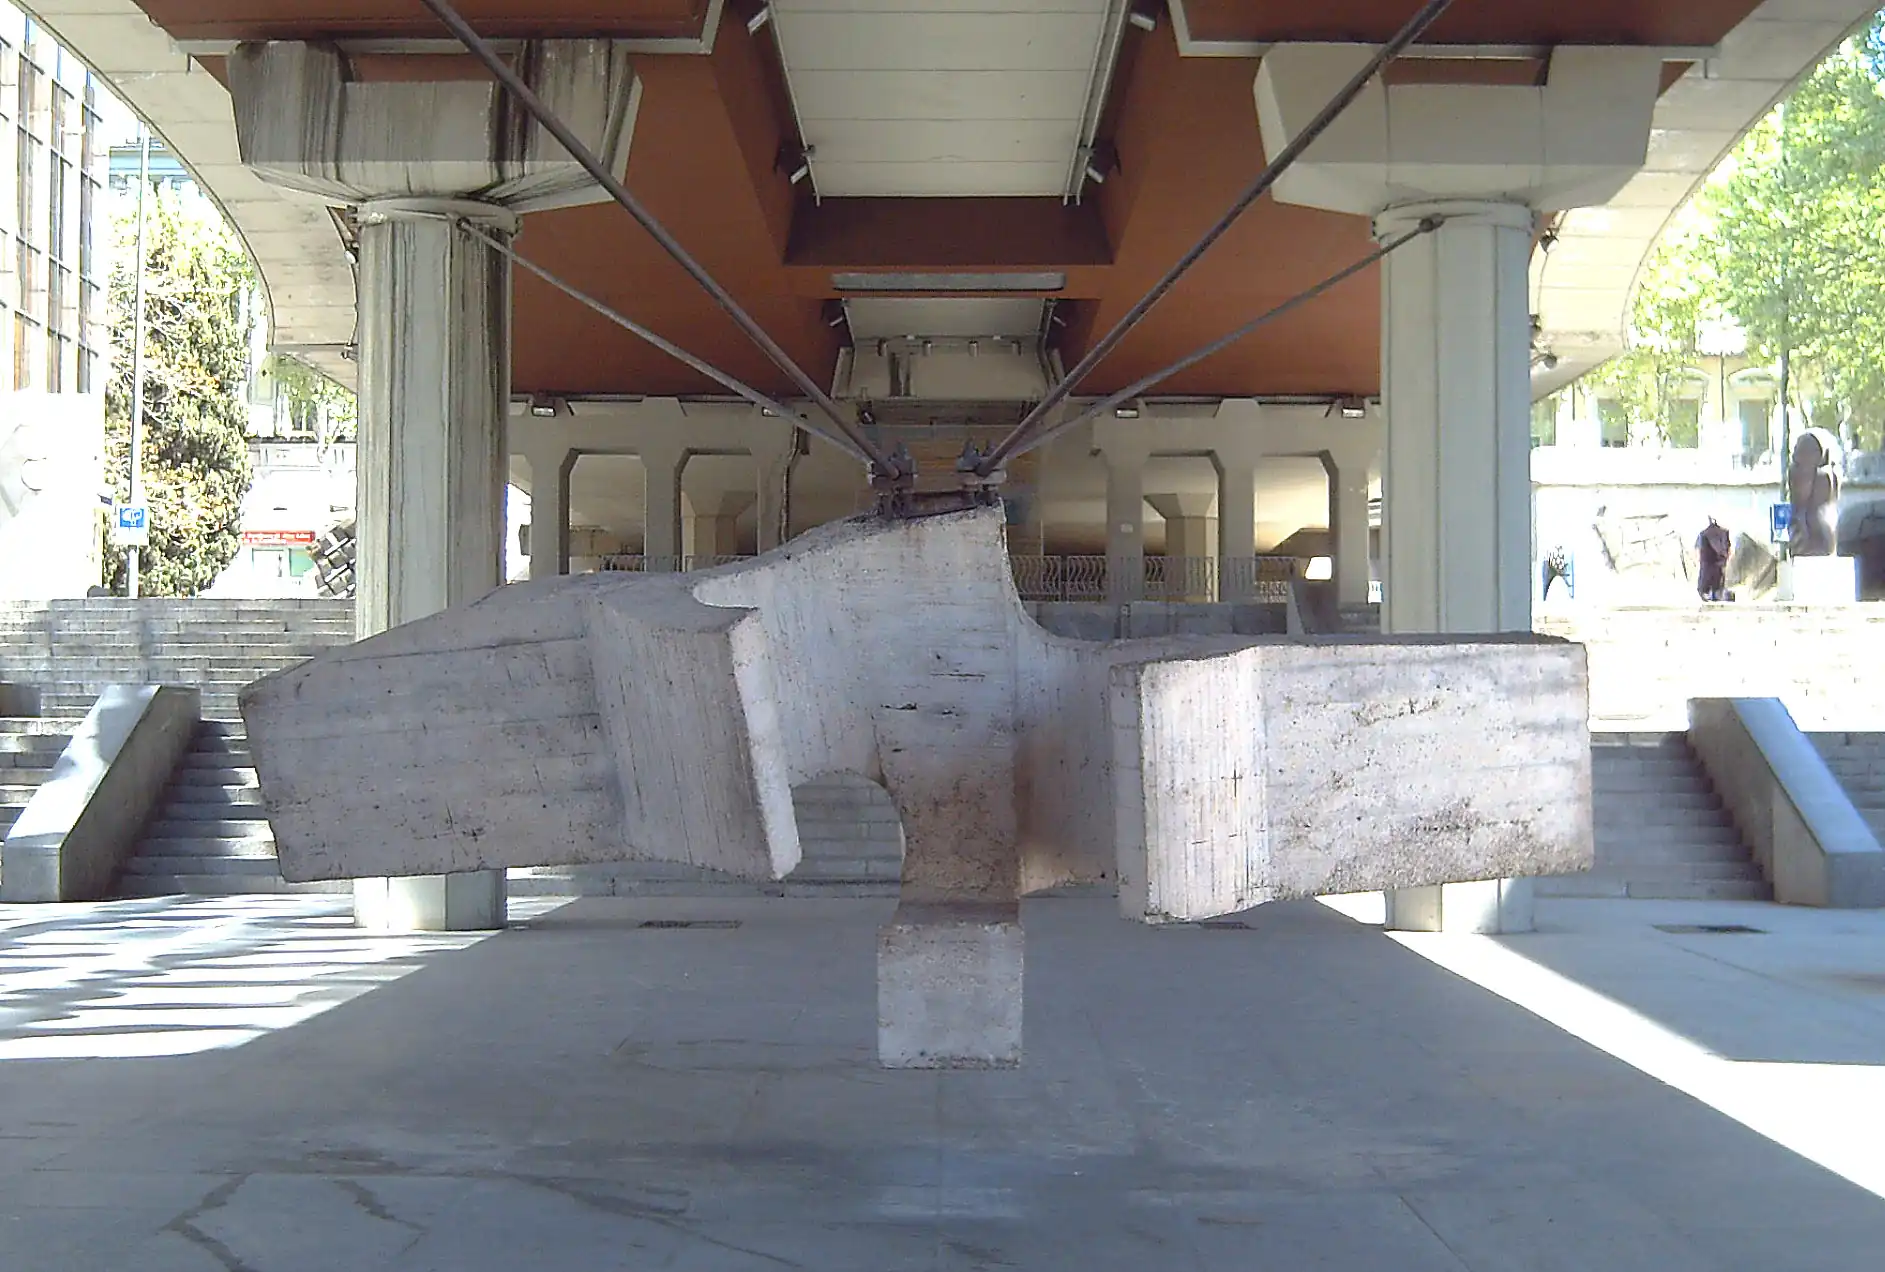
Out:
{"x": 1780, "y": 523}
{"x": 131, "y": 525}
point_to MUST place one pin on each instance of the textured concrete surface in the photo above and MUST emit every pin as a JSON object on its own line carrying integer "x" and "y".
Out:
{"x": 208, "y": 1085}
{"x": 599, "y": 718}
{"x": 949, "y": 987}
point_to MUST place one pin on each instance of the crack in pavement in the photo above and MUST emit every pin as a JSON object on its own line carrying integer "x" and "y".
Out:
{"x": 184, "y": 1225}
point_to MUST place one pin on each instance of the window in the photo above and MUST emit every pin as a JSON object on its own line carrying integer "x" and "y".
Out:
{"x": 1613, "y": 420}
{"x": 1683, "y": 423}
{"x": 1545, "y": 422}
{"x": 1757, "y": 423}
{"x": 22, "y": 351}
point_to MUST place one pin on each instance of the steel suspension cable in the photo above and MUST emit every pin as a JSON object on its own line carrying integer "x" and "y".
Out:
{"x": 514, "y": 83}
{"x": 1043, "y": 436}
{"x": 1416, "y": 27}
{"x": 746, "y": 391}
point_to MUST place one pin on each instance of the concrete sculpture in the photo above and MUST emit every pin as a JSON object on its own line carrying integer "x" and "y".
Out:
{"x": 1813, "y": 491}
{"x": 609, "y": 717}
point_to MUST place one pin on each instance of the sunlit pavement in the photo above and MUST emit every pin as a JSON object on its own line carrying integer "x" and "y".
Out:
{"x": 254, "y": 1085}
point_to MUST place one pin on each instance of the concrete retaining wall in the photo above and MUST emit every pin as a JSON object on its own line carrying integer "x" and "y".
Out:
{"x": 85, "y": 821}
{"x": 1809, "y": 840}
{"x": 1646, "y": 665}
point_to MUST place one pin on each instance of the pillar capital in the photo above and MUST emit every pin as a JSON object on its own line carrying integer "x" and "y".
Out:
{"x": 1573, "y": 141}
{"x": 303, "y": 124}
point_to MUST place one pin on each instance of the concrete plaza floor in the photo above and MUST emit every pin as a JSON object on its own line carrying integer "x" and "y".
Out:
{"x": 252, "y": 1086}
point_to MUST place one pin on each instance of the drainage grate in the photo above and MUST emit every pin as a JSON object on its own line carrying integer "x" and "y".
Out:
{"x": 1225, "y": 925}
{"x": 1708, "y": 929}
{"x": 691, "y": 923}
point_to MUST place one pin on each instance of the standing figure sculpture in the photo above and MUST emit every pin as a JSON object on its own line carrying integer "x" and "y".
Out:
{"x": 1813, "y": 491}
{"x": 1713, "y": 548}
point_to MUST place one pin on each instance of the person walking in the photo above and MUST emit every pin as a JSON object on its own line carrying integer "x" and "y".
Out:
{"x": 1714, "y": 547}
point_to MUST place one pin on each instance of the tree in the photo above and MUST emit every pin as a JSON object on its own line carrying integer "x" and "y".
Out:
{"x": 1787, "y": 240}
{"x": 1677, "y": 296}
{"x": 196, "y": 362}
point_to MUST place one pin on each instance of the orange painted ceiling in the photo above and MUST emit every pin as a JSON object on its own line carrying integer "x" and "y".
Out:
{"x": 710, "y": 128}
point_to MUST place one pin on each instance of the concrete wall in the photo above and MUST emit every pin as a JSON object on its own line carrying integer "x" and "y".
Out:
{"x": 51, "y": 473}
{"x": 1646, "y": 664}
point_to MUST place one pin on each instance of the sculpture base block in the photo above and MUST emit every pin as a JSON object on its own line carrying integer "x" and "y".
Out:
{"x": 949, "y": 987}
{"x": 1820, "y": 580}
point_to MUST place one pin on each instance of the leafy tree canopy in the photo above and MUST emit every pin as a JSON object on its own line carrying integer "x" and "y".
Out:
{"x": 1787, "y": 242}
{"x": 195, "y": 457}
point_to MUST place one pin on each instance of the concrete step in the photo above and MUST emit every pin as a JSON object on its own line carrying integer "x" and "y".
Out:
{"x": 148, "y": 865}
{"x": 220, "y": 885}
{"x": 187, "y": 798}
{"x": 170, "y": 826}
{"x": 203, "y": 848}
{"x": 1614, "y": 850}
{"x": 14, "y": 762}
{"x": 229, "y": 759}
{"x": 211, "y": 779}
{"x": 228, "y": 810}
{"x": 37, "y": 726}
{"x": 14, "y": 791}
{"x": 33, "y": 743}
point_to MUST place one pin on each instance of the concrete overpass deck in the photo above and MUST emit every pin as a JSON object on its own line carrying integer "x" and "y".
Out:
{"x": 215, "y": 1085}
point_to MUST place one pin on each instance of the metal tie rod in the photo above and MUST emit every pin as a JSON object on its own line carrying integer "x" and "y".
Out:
{"x": 1416, "y": 27}
{"x": 534, "y": 105}
{"x": 1044, "y": 436}
{"x": 668, "y": 347}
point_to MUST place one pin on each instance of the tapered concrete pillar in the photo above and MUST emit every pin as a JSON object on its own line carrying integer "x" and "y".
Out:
{"x": 550, "y": 469}
{"x": 1191, "y": 541}
{"x": 775, "y": 495}
{"x": 1348, "y": 521}
{"x": 1236, "y": 528}
{"x": 434, "y": 318}
{"x": 1125, "y": 523}
{"x": 661, "y": 531}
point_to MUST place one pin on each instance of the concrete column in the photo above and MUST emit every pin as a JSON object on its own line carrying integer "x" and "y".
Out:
{"x": 1191, "y": 538}
{"x": 1456, "y": 524}
{"x": 661, "y": 533}
{"x": 550, "y": 470}
{"x": 1236, "y": 528}
{"x": 775, "y": 497}
{"x": 1125, "y": 523}
{"x": 1348, "y": 520}
{"x": 434, "y": 318}
{"x": 434, "y": 308}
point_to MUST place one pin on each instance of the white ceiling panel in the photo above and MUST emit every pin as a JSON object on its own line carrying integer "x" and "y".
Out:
{"x": 967, "y": 317}
{"x": 874, "y": 40}
{"x": 946, "y": 141}
{"x": 941, "y": 180}
{"x": 953, "y": 95}
{"x": 941, "y": 98}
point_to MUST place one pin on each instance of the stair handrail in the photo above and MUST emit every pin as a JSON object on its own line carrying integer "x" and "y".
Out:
{"x": 1811, "y": 843}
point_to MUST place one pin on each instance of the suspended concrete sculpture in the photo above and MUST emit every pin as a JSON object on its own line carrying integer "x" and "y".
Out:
{"x": 667, "y": 717}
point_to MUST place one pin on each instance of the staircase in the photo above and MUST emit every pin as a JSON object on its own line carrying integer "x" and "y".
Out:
{"x": 72, "y": 649}
{"x": 29, "y": 747}
{"x": 212, "y": 838}
{"x": 1858, "y": 761}
{"x": 850, "y": 841}
{"x": 1661, "y": 830}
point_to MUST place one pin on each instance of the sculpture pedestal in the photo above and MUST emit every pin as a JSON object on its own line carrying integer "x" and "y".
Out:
{"x": 1830, "y": 580}
{"x": 949, "y": 987}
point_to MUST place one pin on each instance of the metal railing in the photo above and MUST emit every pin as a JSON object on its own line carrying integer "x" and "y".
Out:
{"x": 1198, "y": 580}
{"x": 638, "y": 563}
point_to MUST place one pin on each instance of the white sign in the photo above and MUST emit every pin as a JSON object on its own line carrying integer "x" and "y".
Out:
{"x": 131, "y": 525}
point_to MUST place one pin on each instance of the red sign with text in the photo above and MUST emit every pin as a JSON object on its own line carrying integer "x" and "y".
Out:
{"x": 278, "y": 538}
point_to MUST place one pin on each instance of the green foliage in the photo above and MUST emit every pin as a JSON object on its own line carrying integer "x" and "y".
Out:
{"x": 1788, "y": 241}
{"x": 308, "y": 390}
{"x": 1676, "y": 297}
{"x": 196, "y": 360}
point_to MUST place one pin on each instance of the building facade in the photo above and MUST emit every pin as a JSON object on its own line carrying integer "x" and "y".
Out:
{"x": 54, "y": 320}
